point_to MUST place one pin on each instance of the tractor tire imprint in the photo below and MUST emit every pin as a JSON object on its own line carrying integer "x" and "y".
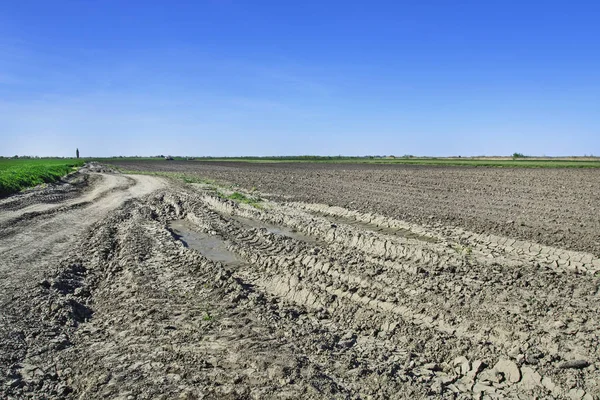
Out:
{"x": 152, "y": 289}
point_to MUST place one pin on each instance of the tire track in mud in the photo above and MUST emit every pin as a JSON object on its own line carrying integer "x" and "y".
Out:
{"x": 502, "y": 323}
{"x": 45, "y": 208}
{"x": 296, "y": 272}
{"x": 379, "y": 308}
{"x": 35, "y": 312}
{"x": 67, "y": 188}
{"x": 217, "y": 342}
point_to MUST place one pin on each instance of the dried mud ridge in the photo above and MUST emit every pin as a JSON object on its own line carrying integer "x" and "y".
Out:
{"x": 181, "y": 294}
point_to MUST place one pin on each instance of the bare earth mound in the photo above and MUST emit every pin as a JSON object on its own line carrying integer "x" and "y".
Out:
{"x": 119, "y": 286}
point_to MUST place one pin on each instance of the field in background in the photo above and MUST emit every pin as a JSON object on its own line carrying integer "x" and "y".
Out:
{"x": 549, "y": 205}
{"x": 18, "y": 174}
{"x": 524, "y": 162}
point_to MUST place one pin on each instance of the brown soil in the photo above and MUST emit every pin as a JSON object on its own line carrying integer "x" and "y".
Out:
{"x": 559, "y": 207}
{"x": 135, "y": 287}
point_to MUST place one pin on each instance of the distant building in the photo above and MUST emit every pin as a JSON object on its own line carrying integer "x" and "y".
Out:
{"x": 168, "y": 158}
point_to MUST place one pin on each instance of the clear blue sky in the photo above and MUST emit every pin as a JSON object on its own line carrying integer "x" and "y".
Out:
{"x": 227, "y": 77}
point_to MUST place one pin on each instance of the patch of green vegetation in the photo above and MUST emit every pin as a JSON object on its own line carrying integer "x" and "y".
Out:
{"x": 464, "y": 251}
{"x": 241, "y": 198}
{"x": 207, "y": 317}
{"x": 19, "y": 174}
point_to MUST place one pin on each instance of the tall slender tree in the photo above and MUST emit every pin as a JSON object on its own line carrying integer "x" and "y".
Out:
{"x": 77, "y": 153}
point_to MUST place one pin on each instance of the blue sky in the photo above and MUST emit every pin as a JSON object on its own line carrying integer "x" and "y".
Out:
{"x": 227, "y": 78}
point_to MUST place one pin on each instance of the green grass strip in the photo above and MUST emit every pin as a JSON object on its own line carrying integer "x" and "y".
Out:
{"x": 16, "y": 175}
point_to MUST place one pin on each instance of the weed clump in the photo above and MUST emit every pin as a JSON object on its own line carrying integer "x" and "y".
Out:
{"x": 241, "y": 198}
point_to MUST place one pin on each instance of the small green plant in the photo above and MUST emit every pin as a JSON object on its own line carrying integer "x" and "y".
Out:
{"x": 237, "y": 196}
{"x": 241, "y": 198}
{"x": 465, "y": 251}
{"x": 207, "y": 317}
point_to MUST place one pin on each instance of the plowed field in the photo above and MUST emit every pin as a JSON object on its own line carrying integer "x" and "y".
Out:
{"x": 334, "y": 281}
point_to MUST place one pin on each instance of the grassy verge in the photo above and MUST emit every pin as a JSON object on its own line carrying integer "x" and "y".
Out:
{"x": 19, "y": 174}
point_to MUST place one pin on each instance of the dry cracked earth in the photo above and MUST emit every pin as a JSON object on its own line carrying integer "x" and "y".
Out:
{"x": 139, "y": 287}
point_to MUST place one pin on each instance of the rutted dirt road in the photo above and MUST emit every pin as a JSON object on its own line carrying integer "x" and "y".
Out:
{"x": 33, "y": 232}
{"x": 170, "y": 291}
{"x": 37, "y": 229}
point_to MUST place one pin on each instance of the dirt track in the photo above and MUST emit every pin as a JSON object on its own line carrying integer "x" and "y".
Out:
{"x": 106, "y": 300}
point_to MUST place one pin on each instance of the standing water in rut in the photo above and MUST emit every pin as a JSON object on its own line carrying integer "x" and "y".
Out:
{"x": 212, "y": 247}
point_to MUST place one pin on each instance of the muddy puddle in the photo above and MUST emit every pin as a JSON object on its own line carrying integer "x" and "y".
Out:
{"x": 274, "y": 229}
{"x": 406, "y": 233}
{"x": 212, "y": 247}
